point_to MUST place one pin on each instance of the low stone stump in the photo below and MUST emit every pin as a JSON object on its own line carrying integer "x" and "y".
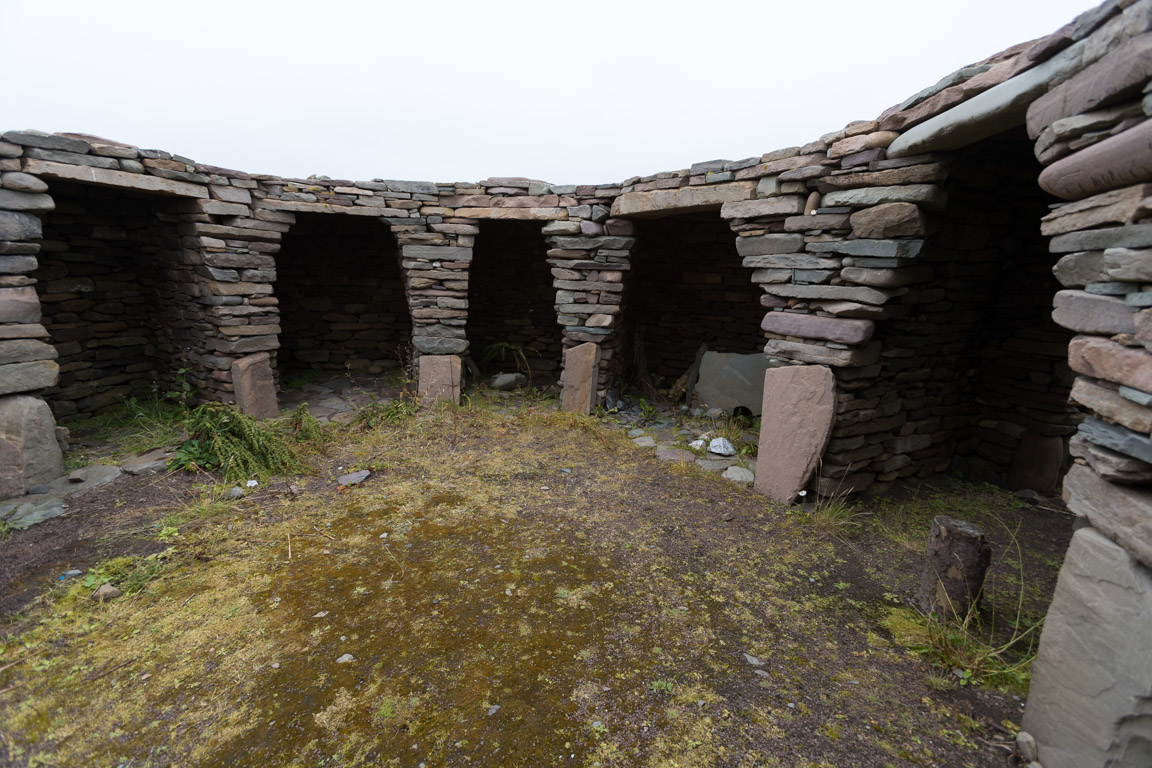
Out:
{"x": 958, "y": 559}
{"x": 441, "y": 377}
{"x": 578, "y": 380}
{"x": 29, "y": 453}
{"x": 255, "y": 388}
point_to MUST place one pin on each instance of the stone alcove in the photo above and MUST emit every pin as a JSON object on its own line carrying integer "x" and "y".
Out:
{"x": 341, "y": 293}
{"x": 511, "y": 301}
{"x": 111, "y": 282}
{"x": 687, "y": 287}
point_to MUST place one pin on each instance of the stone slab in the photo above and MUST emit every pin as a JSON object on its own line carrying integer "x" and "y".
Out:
{"x": 832, "y": 292}
{"x": 763, "y": 245}
{"x": 1117, "y": 206}
{"x": 255, "y": 386}
{"x": 29, "y": 513}
{"x": 109, "y": 178}
{"x": 882, "y": 249}
{"x": 441, "y": 377}
{"x": 784, "y": 205}
{"x": 1093, "y": 669}
{"x": 1123, "y": 513}
{"x": 1076, "y": 270}
{"x": 818, "y": 354}
{"x": 844, "y": 331}
{"x": 19, "y": 226}
{"x": 1110, "y": 465}
{"x": 887, "y": 278}
{"x": 799, "y": 409}
{"x": 683, "y": 200}
{"x": 28, "y": 377}
{"x": 986, "y": 114}
{"x": 1103, "y": 358}
{"x": 1132, "y": 236}
{"x": 1123, "y": 71}
{"x": 1085, "y": 312}
{"x": 1118, "y": 161}
{"x": 33, "y": 456}
{"x": 578, "y": 380}
{"x": 518, "y": 214}
{"x": 1117, "y": 438}
{"x": 90, "y": 478}
{"x": 889, "y": 220}
{"x": 1111, "y": 405}
{"x": 928, "y": 195}
{"x": 729, "y": 380}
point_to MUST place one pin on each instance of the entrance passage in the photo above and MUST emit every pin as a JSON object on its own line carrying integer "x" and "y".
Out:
{"x": 111, "y": 282}
{"x": 688, "y": 288}
{"x": 342, "y": 304}
{"x": 979, "y": 354}
{"x": 511, "y": 302}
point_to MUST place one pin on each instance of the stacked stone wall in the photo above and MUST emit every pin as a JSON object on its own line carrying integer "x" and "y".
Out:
{"x": 341, "y": 296}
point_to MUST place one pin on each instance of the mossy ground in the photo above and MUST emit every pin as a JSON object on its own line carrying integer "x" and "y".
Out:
{"x": 546, "y": 594}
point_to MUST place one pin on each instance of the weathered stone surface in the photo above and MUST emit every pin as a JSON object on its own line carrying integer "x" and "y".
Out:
{"x": 1132, "y": 236}
{"x": 1110, "y": 465}
{"x": 28, "y": 377}
{"x": 519, "y": 214}
{"x": 1105, "y": 359}
{"x": 19, "y": 226}
{"x": 1111, "y": 405}
{"x": 22, "y": 182}
{"x": 1037, "y": 463}
{"x": 1085, "y": 312}
{"x": 1115, "y": 162}
{"x": 763, "y": 245}
{"x": 818, "y": 354}
{"x": 889, "y": 220}
{"x": 1091, "y": 678}
{"x": 784, "y": 205}
{"x": 1116, "y": 438}
{"x": 29, "y": 453}
{"x": 729, "y": 380}
{"x": 19, "y": 305}
{"x": 833, "y": 292}
{"x": 883, "y": 249}
{"x": 853, "y": 144}
{"x": 1117, "y": 206}
{"x": 681, "y": 200}
{"x": 1128, "y": 265}
{"x": 844, "y": 331}
{"x": 989, "y": 113}
{"x": 441, "y": 377}
{"x": 1121, "y": 512}
{"x": 24, "y": 351}
{"x": 108, "y": 177}
{"x": 25, "y": 201}
{"x": 1075, "y": 270}
{"x": 255, "y": 386}
{"x": 1123, "y": 72}
{"x": 927, "y": 195}
{"x": 578, "y": 379}
{"x": 799, "y": 409}
{"x": 46, "y": 141}
{"x": 887, "y": 278}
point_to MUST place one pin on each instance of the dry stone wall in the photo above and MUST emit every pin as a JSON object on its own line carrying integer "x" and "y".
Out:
{"x": 899, "y": 253}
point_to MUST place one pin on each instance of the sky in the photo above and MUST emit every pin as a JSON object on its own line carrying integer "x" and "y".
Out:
{"x": 448, "y": 91}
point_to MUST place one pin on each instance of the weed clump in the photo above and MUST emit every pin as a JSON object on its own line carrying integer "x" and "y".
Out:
{"x": 222, "y": 438}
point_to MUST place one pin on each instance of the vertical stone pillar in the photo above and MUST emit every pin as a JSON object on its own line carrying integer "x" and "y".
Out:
{"x": 436, "y": 284}
{"x": 229, "y": 246}
{"x": 588, "y": 272}
{"x": 29, "y": 453}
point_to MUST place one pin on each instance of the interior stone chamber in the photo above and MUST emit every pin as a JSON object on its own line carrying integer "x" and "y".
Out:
{"x": 970, "y": 271}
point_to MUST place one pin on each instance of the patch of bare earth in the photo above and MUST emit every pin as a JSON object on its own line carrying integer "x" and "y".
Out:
{"x": 523, "y": 589}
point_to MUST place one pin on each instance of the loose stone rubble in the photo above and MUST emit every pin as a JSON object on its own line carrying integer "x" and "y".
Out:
{"x": 908, "y": 259}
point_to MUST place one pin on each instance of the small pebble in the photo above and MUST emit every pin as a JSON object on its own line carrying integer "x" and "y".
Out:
{"x": 753, "y": 660}
{"x": 493, "y": 709}
{"x": 275, "y": 665}
{"x": 345, "y": 659}
{"x": 320, "y": 615}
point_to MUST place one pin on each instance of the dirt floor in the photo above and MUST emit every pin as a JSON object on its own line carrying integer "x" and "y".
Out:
{"x": 510, "y": 587}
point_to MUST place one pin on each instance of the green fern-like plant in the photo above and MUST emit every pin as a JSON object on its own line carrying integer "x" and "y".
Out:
{"x": 222, "y": 438}
{"x": 305, "y": 427}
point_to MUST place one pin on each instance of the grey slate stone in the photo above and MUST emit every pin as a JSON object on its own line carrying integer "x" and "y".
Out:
{"x": 927, "y": 195}
{"x": 889, "y": 249}
{"x": 19, "y": 226}
{"x": 1118, "y": 438}
{"x": 46, "y": 141}
{"x": 1134, "y": 236}
{"x": 430, "y": 345}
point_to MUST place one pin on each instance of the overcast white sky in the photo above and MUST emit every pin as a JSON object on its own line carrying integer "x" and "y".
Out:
{"x": 459, "y": 91}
